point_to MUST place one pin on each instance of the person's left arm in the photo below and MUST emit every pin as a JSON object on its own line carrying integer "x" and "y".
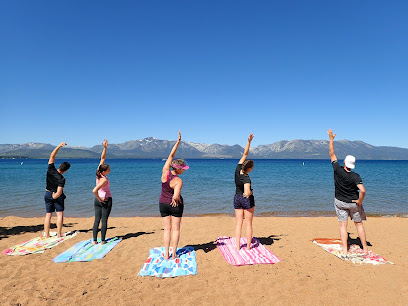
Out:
{"x": 361, "y": 196}
{"x": 103, "y": 155}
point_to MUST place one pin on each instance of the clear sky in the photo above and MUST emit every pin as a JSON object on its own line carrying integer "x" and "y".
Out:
{"x": 81, "y": 71}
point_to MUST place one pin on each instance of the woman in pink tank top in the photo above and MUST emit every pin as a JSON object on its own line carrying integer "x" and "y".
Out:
{"x": 103, "y": 197}
{"x": 171, "y": 202}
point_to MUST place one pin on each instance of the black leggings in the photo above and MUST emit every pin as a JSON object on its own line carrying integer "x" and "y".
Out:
{"x": 102, "y": 211}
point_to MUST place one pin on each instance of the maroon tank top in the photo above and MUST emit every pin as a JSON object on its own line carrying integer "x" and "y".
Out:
{"x": 167, "y": 192}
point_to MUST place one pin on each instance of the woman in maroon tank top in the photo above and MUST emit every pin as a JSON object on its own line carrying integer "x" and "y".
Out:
{"x": 171, "y": 202}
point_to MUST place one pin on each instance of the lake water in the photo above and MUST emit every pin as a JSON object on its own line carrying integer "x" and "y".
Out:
{"x": 281, "y": 187}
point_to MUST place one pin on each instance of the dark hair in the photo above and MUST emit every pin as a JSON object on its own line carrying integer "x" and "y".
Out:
{"x": 247, "y": 165}
{"x": 100, "y": 169}
{"x": 64, "y": 166}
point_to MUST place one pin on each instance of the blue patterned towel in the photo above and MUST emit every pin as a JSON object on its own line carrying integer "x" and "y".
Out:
{"x": 156, "y": 265}
{"x": 85, "y": 251}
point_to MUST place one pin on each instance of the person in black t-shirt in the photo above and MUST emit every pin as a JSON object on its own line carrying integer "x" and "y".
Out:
{"x": 349, "y": 196}
{"x": 244, "y": 202}
{"x": 54, "y": 195}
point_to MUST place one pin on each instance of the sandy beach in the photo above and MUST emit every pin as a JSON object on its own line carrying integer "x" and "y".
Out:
{"x": 307, "y": 275}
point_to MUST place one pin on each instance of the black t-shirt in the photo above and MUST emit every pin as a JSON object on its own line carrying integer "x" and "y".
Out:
{"x": 54, "y": 178}
{"x": 345, "y": 183}
{"x": 240, "y": 180}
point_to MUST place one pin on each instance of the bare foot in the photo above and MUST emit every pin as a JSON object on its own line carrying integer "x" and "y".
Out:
{"x": 94, "y": 242}
{"x": 166, "y": 256}
{"x": 104, "y": 242}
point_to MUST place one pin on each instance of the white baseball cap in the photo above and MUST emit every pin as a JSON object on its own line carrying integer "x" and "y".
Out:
{"x": 350, "y": 161}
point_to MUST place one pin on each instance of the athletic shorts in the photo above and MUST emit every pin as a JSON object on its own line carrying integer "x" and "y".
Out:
{"x": 344, "y": 210}
{"x": 168, "y": 210}
{"x": 51, "y": 204}
{"x": 241, "y": 202}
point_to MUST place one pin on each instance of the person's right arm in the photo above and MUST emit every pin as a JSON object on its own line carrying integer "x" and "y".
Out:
{"x": 362, "y": 193}
{"x": 331, "y": 145}
{"x": 177, "y": 191}
{"x": 102, "y": 182}
{"x": 54, "y": 153}
{"x": 247, "y": 190}
{"x": 56, "y": 195}
{"x": 246, "y": 151}
{"x": 166, "y": 167}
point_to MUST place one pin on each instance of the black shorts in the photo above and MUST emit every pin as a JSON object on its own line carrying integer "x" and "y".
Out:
{"x": 168, "y": 210}
{"x": 241, "y": 202}
{"x": 52, "y": 204}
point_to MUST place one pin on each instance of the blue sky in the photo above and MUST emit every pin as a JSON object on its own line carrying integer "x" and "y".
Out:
{"x": 81, "y": 71}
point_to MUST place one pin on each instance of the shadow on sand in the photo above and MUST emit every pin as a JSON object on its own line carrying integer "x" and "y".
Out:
{"x": 5, "y": 232}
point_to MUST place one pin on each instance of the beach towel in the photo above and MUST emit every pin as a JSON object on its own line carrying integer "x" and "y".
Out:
{"x": 86, "y": 251}
{"x": 38, "y": 244}
{"x": 258, "y": 254}
{"x": 355, "y": 254}
{"x": 157, "y": 266}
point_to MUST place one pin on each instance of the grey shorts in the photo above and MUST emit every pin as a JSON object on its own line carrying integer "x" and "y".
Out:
{"x": 343, "y": 210}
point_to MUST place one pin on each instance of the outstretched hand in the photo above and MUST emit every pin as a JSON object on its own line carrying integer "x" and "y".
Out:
{"x": 179, "y": 138}
{"x": 62, "y": 144}
{"x": 251, "y": 136}
{"x": 105, "y": 143}
{"x": 330, "y": 133}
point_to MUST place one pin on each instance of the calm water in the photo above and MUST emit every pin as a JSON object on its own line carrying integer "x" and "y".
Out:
{"x": 281, "y": 187}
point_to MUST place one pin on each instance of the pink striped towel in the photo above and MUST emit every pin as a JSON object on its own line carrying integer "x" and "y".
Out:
{"x": 258, "y": 254}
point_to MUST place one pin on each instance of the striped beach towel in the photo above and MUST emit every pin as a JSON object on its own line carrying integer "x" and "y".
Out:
{"x": 38, "y": 244}
{"x": 157, "y": 266}
{"x": 355, "y": 253}
{"x": 86, "y": 251}
{"x": 258, "y": 254}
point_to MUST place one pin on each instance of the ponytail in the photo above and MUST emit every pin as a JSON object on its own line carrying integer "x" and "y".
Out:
{"x": 101, "y": 168}
{"x": 247, "y": 165}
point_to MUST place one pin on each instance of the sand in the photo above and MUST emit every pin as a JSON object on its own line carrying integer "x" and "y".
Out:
{"x": 307, "y": 276}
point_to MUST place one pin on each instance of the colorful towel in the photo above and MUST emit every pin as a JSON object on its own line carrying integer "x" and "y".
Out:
{"x": 156, "y": 265}
{"x": 86, "y": 251}
{"x": 38, "y": 244}
{"x": 258, "y": 254}
{"x": 355, "y": 254}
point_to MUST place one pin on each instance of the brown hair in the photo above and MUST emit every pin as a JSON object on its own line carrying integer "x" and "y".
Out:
{"x": 178, "y": 162}
{"x": 248, "y": 164}
{"x": 100, "y": 169}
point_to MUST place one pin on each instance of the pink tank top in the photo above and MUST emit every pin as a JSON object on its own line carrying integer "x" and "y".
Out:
{"x": 104, "y": 192}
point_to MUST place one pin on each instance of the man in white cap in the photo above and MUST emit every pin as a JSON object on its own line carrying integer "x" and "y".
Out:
{"x": 349, "y": 196}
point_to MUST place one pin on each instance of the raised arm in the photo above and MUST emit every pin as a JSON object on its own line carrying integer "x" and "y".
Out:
{"x": 54, "y": 153}
{"x": 103, "y": 155}
{"x": 246, "y": 151}
{"x": 331, "y": 145}
{"x": 169, "y": 160}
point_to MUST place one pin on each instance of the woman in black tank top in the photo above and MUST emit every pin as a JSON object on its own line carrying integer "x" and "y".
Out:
{"x": 244, "y": 202}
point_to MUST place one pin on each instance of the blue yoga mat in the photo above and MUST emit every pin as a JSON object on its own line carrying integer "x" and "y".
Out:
{"x": 85, "y": 251}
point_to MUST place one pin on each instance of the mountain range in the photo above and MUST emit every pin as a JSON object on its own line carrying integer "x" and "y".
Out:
{"x": 155, "y": 148}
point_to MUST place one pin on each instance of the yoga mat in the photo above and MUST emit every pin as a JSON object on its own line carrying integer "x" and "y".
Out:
{"x": 355, "y": 253}
{"x": 86, "y": 251}
{"x": 38, "y": 244}
{"x": 258, "y": 254}
{"x": 157, "y": 266}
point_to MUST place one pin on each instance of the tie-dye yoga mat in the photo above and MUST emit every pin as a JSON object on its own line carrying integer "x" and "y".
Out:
{"x": 86, "y": 251}
{"x": 157, "y": 266}
{"x": 258, "y": 254}
{"x": 38, "y": 244}
{"x": 355, "y": 253}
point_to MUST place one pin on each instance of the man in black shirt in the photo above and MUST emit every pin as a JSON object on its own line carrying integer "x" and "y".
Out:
{"x": 349, "y": 196}
{"x": 54, "y": 196}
